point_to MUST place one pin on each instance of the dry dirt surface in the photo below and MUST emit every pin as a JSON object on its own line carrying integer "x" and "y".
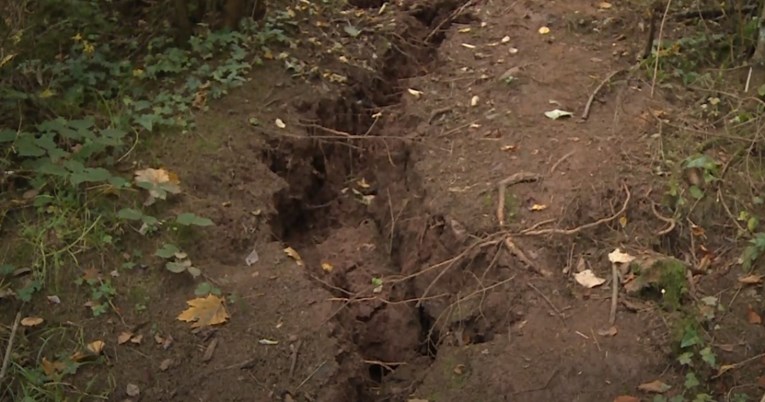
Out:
{"x": 387, "y": 185}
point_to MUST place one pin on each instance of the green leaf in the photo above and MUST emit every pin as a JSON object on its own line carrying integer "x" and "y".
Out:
{"x": 708, "y": 356}
{"x": 188, "y": 218}
{"x": 691, "y": 381}
{"x": 696, "y": 192}
{"x": 7, "y": 135}
{"x": 167, "y": 251}
{"x": 90, "y": 175}
{"x": 147, "y": 121}
{"x": 176, "y": 267}
{"x": 6, "y": 269}
{"x": 129, "y": 214}
{"x": 686, "y": 359}
{"x": 752, "y": 223}
{"x": 761, "y": 90}
{"x": 26, "y": 146}
{"x": 25, "y": 294}
{"x": 194, "y": 271}
{"x": 46, "y": 167}
{"x": 205, "y": 288}
{"x": 690, "y": 338}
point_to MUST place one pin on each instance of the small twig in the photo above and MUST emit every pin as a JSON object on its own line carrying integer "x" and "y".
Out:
{"x": 586, "y": 112}
{"x": 518, "y": 253}
{"x": 734, "y": 366}
{"x": 658, "y": 49}
{"x": 9, "y": 348}
{"x": 311, "y": 375}
{"x": 563, "y": 158}
{"x": 549, "y": 302}
{"x": 614, "y": 294}
{"x": 658, "y": 216}
{"x": 516, "y": 178}
{"x": 293, "y": 359}
{"x": 576, "y": 230}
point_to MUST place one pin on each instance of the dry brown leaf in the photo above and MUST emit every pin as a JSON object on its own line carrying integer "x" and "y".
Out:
{"x": 159, "y": 178}
{"x": 618, "y": 257}
{"x": 124, "y": 337}
{"x": 31, "y": 321}
{"x": 52, "y": 367}
{"x": 604, "y": 5}
{"x": 751, "y": 279}
{"x": 165, "y": 365}
{"x": 724, "y": 369}
{"x": 752, "y": 316}
{"x": 96, "y": 347}
{"x": 657, "y": 387}
{"x": 611, "y": 331}
{"x": 205, "y": 311}
{"x": 626, "y": 398}
{"x": 292, "y": 253}
{"x": 136, "y": 339}
{"x": 623, "y": 221}
{"x": 761, "y": 381}
{"x": 327, "y": 267}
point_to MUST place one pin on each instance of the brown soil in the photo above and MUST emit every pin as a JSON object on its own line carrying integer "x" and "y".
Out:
{"x": 458, "y": 317}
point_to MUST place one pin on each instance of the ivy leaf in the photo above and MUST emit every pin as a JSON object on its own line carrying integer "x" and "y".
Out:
{"x": 26, "y": 146}
{"x": 187, "y": 219}
{"x": 690, "y": 338}
{"x": 686, "y": 359}
{"x": 129, "y": 214}
{"x": 708, "y": 356}
{"x": 167, "y": 251}
{"x": 691, "y": 381}
{"x": 696, "y": 192}
{"x": 178, "y": 267}
{"x": 147, "y": 121}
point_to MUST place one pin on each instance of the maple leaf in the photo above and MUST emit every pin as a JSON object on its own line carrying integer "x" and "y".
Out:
{"x": 204, "y": 312}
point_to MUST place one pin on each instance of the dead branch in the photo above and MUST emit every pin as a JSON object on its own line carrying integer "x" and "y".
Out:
{"x": 9, "y": 348}
{"x": 519, "y": 254}
{"x": 578, "y": 229}
{"x": 614, "y": 294}
{"x": 516, "y": 178}
{"x": 658, "y": 216}
{"x": 609, "y": 77}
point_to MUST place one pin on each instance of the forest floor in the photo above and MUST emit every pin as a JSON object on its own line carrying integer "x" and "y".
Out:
{"x": 422, "y": 227}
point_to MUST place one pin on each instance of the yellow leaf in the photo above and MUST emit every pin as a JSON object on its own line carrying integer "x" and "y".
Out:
{"x": 292, "y": 253}
{"x": 508, "y": 148}
{"x": 279, "y": 123}
{"x": 31, "y": 321}
{"x": 544, "y": 30}
{"x": 623, "y": 221}
{"x": 96, "y": 347}
{"x": 538, "y": 207}
{"x": 464, "y": 30}
{"x": 327, "y": 267}
{"x": 204, "y": 312}
{"x": 725, "y": 368}
{"x": 604, "y": 5}
{"x": 7, "y": 58}
{"x": 47, "y": 93}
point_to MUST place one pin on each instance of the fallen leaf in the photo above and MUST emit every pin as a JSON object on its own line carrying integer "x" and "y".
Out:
{"x": 414, "y": 92}
{"x": 279, "y": 123}
{"x": 132, "y": 390}
{"x": 96, "y": 347}
{"x": 268, "y": 342}
{"x": 362, "y": 183}
{"x": 544, "y": 30}
{"x": 538, "y": 207}
{"x": 752, "y": 316}
{"x": 512, "y": 50}
{"x": 623, "y": 221}
{"x": 557, "y": 114}
{"x": 464, "y": 30}
{"x": 158, "y": 182}
{"x": 124, "y": 337}
{"x": 474, "y": 101}
{"x": 726, "y": 347}
{"x": 292, "y": 253}
{"x": 626, "y": 398}
{"x": 608, "y": 332}
{"x": 656, "y": 387}
{"x": 31, "y": 321}
{"x": 618, "y": 257}
{"x": 54, "y": 299}
{"x": 751, "y": 279}
{"x": 327, "y": 267}
{"x": 588, "y": 279}
{"x": 136, "y": 339}
{"x": 204, "y": 312}
{"x": 724, "y": 369}
{"x": 604, "y": 5}
{"x": 505, "y": 39}
{"x": 52, "y": 367}
{"x": 165, "y": 365}
{"x": 90, "y": 274}
{"x": 508, "y": 148}
{"x": 469, "y": 46}
{"x": 252, "y": 258}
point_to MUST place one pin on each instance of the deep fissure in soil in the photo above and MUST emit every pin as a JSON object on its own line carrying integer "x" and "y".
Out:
{"x": 354, "y": 243}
